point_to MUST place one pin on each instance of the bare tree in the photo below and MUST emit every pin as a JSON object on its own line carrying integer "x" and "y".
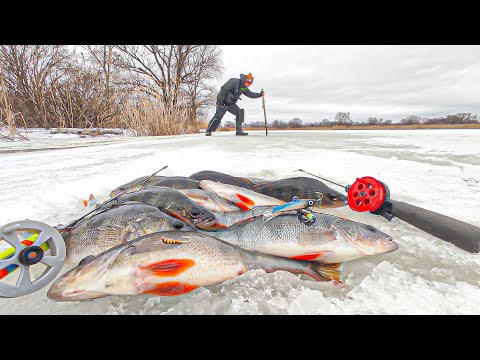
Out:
{"x": 7, "y": 116}
{"x": 343, "y": 118}
{"x": 177, "y": 72}
{"x": 411, "y": 119}
{"x": 201, "y": 68}
{"x": 103, "y": 60}
{"x": 295, "y": 123}
{"x": 374, "y": 121}
{"x": 326, "y": 122}
{"x": 101, "y": 57}
{"x": 29, "y": 71}
{"x": 467, "y": 118}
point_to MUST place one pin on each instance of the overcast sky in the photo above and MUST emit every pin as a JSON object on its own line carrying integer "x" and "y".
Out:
{"x": 390, "y": 82}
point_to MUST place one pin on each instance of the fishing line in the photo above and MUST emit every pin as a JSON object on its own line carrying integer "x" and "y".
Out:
{"x": 333, "y": 182}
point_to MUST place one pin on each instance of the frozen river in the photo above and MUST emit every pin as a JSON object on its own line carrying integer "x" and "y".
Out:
{"x": 46, "y": 179}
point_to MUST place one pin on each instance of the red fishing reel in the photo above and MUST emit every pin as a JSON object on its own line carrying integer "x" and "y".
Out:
{"x": 367, "y": 194}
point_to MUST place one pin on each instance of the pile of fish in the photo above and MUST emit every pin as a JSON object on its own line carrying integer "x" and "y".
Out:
{"x": 167, "y": 236}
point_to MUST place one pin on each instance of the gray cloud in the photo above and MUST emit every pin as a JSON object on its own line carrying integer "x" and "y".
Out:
{"x": 391, "y": 82}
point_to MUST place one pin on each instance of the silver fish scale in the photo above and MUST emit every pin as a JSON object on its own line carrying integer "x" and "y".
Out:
{"x": 282, "y": 229}
{"x": 131, "y": 269}
{"x": 209, "y": 254}
{"x": 207, "y": 251}
{"x": 85, "y": 238}
{"x": 230, "y": 218}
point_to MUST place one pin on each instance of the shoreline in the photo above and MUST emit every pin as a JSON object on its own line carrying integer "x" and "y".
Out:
{"x": 367, "y": 127}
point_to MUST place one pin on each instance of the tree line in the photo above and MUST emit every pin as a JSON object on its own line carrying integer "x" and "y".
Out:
{"x": 152, "y": 89}
{"x": 344, "y": 119}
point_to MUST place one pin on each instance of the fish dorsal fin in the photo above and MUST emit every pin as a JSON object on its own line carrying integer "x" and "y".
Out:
{"x": 258, "y": 184}
{"x": 248, "y": 181}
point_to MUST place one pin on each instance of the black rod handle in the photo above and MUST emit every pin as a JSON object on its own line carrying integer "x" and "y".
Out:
{"x": 459, "y": 233}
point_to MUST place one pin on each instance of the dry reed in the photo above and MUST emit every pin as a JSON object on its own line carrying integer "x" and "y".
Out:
{"x": 150, "y": 116}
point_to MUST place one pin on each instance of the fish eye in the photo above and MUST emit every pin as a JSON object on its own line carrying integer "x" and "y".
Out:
{"x": 295, "y": 198}
{"x": 370, "y": 228}
{"x": 332, "y": 197}
{"x": 194, "y": 212}
{"x": 177, "y": 224}
{"x": 310, "y": 202}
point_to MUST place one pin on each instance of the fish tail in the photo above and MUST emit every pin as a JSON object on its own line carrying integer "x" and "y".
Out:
{"x": 325, "y": 272}
{"x": 270, "y": 263}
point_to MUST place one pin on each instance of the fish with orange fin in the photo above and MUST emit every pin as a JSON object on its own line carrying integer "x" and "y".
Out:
{"x": 323, "y": 238}
{"x": 173, "y": 203}
{"x": 172, "y": 263}
{"x": 115, "y": 226}
{"x": 283, "y": 189}
{"x": 243, "y": 198}
{"x": 209, "y": 200}
{"x": 225, "y": 220}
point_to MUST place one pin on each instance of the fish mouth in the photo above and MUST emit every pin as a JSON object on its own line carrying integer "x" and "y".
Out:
{"x": 205, "y": 224}
{"x": 369, "y": 247}
{"x": 62, "y": 290}
{"x": 73, "y": 295}
{"x": 202, "y": 222}
{"x": 389, "y": 245}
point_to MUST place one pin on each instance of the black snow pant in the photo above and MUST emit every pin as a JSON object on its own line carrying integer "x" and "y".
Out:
{"x": 220, "y": 112}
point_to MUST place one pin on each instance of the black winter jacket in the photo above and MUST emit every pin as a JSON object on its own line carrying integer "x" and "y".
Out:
{"x": 231, "y": 91}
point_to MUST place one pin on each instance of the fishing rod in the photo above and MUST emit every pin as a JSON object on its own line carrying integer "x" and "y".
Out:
{"x": 72, "y": 224}
{"x": 370, "y": 194}
{"x": 22, "y": 253}
{"x": 264, "y": 113}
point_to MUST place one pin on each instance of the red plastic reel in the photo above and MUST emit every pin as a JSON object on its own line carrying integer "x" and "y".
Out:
{"x": 366, "y": 194}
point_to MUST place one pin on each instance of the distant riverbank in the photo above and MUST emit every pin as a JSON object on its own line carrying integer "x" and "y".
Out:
{"x": 369, "y": 127}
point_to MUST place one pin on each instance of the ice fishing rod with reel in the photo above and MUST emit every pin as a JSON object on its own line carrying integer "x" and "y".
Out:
{"x": 71, "y": 225}
{"x": 32, "y": 242}
{"x": 28, "y": 252}
{"x": 370, "y": 194}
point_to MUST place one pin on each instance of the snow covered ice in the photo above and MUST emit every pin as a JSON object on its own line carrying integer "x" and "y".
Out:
{"x": 47, "y": 178}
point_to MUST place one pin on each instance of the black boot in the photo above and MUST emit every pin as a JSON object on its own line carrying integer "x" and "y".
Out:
{"x": 212, "y": 126}
{"x": 238, "y": 123}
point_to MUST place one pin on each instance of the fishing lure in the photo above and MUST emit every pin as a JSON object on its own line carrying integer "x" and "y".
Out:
{"x": 306, "y": 217}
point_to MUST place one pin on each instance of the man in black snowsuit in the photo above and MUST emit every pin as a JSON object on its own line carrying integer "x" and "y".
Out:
{"x": 226, "y": 101}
